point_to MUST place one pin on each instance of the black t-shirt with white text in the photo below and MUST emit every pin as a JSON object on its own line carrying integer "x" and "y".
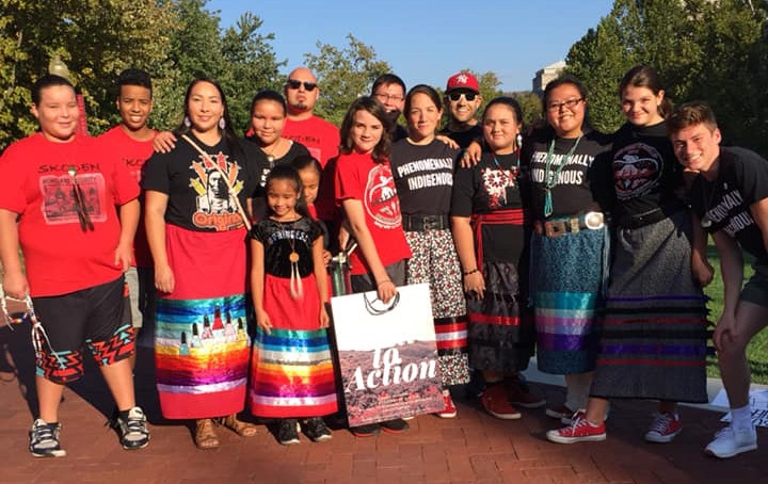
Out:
{"x": 423, "y": 176}
{"x": 742, "y": 179}
{"x": 583, "y": 183}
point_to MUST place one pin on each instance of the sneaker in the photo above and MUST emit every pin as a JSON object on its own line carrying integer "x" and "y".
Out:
{"x": 580, "y": 430}
{"x": 288, "y": 431}
{"x": 44, "y": 439}
{"x": 132, "y": 428}
{"x": 495, "y": 402}
{"x": 396, "y": 426}
{"x": 449, "y": 409}
{"x": 519, "y": 394}
{"x": 664, "y": 428}
{"x": 560, "y": 413}
{"x": 316, "y": 430}
{"x": 730, "y": 442}
{"x": 368, "y": 430}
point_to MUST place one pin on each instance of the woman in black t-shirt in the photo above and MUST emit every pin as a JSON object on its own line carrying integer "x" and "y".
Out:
{"x": 196, "y": 218}
{"x": 653, "y": 341}
{"x": 569, "y": 174}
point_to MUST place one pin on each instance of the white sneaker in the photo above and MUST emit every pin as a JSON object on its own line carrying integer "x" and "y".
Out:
{"x": 730, "y": 442}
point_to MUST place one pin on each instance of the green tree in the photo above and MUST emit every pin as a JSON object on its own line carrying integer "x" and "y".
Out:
{"x": 714, "y": 51}
{"x": 343, "y": 75}
{"x": 252, "y": 65}
{"x": 531, "y": 106}
{"x": 92, "y": 40}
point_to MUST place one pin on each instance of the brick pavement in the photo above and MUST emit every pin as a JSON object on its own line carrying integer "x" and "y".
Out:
{"x": 473, "y": 448}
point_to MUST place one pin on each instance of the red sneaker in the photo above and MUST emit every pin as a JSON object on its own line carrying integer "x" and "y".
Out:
{"x": 495, "y": 402}
{"x": 520, "y": 394}
{"x": 580, "y": 430}
{"x": 664, "y": 428}
{"x": 449, "y": 410}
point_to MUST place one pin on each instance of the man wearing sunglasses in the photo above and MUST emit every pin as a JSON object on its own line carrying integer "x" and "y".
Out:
{"x": 319, "y": 136}
{"x": 463, "y": 99}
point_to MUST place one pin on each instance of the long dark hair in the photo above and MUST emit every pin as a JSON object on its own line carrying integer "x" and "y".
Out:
{"x": 373, "y": 106}
{"x": 289, "y": 173}
{"x": 228, "y": 134}
{"x": 646, "y": 76}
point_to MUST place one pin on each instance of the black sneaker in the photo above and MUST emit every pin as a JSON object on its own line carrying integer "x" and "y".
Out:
{"x": 288, "y": 431}
{"x": 366, "y": 430}
{"x": 132, "y": 427}
{"x": 396, "y": 426}
{"x": 316, "y": 430}
{"x": 44, "y": 439}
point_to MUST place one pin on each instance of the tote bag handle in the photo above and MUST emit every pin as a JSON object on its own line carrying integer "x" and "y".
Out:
{"x": 374, "y": 311}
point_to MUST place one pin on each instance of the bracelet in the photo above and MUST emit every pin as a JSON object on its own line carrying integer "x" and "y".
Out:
{"x": 383, "y": 282}
{"x": 469, "y": 273}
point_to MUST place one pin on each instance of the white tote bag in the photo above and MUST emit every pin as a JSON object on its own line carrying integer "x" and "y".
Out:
{"x": 387, "y": 355}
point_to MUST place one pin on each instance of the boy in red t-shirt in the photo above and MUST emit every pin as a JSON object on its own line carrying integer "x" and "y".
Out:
{"x": 131, "y": 141}
{"x": 65, "y": 191}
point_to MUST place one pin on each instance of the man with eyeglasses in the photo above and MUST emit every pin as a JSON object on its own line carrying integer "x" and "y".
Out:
{"x": 389, "y": 89}
{"x": 319, "y": 136}
{"x": 77, "y": 211}
{"x": 462, "y": 96}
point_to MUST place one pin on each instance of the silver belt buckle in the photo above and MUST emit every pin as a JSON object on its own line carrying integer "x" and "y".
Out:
{"x": 594, "y": 220}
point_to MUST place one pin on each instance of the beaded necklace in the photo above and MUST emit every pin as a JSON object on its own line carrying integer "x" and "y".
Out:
{"x": 551, "y": 177}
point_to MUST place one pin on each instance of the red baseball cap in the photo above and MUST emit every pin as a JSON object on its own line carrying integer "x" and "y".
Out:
{"x": 462, "y": 80}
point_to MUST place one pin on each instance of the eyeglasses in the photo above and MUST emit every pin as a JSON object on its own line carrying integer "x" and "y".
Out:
{"x": 295, "y": 84}
{"x": 82, "y": 209}
{"x": 388, "y": 97}
{"x": 568, "y": 103}
{"x": 468, "y": 96}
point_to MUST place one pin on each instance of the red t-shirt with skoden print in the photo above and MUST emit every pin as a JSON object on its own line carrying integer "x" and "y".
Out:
{"x": 60, "y": 257}
{"x": 359, "y": 177}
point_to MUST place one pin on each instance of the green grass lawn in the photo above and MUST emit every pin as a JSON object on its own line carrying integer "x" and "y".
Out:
{"x": 757, "y": 352}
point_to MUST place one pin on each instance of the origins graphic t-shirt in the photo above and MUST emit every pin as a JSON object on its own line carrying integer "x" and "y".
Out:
{"x": 198, "y": 196}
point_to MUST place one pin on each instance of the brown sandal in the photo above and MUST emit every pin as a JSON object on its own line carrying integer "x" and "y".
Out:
{"x": 205, "y": 435}
{"x": 243, "y": 429}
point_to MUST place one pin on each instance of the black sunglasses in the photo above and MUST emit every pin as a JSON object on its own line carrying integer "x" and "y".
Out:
{"x": 455, "y": 96}
{"x": 82, "y": 209}
{"x": 294, "y": 84}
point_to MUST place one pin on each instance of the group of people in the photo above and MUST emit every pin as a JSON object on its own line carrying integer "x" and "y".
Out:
{"x": 585, "y": 249}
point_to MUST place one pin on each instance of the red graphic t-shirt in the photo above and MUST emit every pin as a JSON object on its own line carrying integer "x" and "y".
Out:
{"x": 133, "y": 154}
{"x": 39, "y": 182}
{"x": 359, "y": 177}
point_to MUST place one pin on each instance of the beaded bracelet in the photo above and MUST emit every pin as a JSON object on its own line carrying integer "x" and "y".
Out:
{"x": 469, "y": 273}
{"x": 383, "y": 282}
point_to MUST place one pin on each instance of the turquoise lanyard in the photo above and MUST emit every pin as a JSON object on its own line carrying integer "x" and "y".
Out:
{"x": 550, "y": 178}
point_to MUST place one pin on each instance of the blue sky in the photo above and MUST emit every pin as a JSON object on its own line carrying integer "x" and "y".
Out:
{"x": 426, "y": 41}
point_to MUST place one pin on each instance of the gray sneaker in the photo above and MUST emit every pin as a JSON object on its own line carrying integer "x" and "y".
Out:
{"x": 44, "y": 440}
{"x": 730, "y": 442}
{"x": 133, "y": 429}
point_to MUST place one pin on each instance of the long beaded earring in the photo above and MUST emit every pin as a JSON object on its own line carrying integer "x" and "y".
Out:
{"x": 222, "y": 123}
{"x": 187, "y": 122}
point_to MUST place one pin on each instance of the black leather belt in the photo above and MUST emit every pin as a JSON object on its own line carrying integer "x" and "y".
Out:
{"x": 561, "y": 226}
{"x": 636, "y": 221}
{"x": 422, "y": 223}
